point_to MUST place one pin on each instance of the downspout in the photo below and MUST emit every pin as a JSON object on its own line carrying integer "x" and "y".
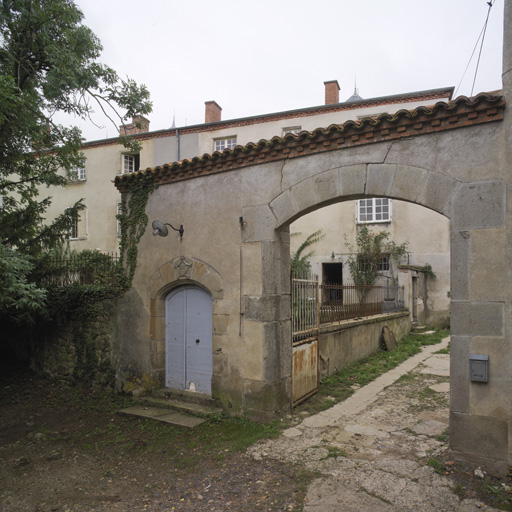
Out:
{"x": 177, "y": 145}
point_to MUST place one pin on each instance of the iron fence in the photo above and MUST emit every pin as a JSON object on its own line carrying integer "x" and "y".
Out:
{"x": 83, "y": 268}
{"x": 304, "y": 306}
{"x": 342, "y": 302}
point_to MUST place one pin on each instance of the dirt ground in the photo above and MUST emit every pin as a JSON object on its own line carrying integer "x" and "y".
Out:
{"x": 62, "y": 451}
{"x": 54, "y": 457}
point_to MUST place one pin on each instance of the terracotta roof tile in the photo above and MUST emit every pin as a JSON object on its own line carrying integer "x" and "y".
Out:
{"x": 459, "y": 113}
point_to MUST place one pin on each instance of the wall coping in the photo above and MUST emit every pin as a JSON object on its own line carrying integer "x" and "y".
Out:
{"x": 348, "y": 324}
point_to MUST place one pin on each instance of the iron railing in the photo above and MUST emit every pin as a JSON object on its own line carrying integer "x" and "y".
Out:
{"x": 341, "y": 302}
{"x": 304, "y": 306}
{"x": 83, "y": 268}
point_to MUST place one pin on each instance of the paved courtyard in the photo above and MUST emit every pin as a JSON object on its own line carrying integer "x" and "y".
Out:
{"x": 372, "y": 448}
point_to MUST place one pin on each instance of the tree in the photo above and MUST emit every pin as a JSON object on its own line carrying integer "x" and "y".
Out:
{"x": 299, "y": 263}
{"x": 366, "y": 257}
{"x": 49, "y": 65}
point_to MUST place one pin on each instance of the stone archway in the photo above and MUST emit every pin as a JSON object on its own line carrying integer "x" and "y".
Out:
{"x": 451, "y": 158}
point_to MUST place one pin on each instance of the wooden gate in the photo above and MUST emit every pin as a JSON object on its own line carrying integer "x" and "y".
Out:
{"x": 305, "y": 319}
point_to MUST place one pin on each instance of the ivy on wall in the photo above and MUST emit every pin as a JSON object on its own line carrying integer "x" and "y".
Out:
{"x": 133, "y": 221}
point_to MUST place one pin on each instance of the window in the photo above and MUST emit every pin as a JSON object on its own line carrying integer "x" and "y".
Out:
{"x": 292, "y": 129}
{"x": 78, "y": 174}
{"x": 73, "y": 225}
{"x": 130, "y": 163}
{"x": 376, "y": 209}
{"x": 77, "y": 227}
{"x": 383, "y": 265}
{"x": 225, "y": 143}
{"x": 119, "y": 208}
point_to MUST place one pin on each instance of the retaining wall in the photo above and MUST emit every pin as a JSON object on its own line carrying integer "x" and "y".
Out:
{"x": 343, "y": 343}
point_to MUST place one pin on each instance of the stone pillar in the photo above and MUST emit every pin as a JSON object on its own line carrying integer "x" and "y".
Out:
{"x": 480, "y": 413}
{"x": 267, "y": 313}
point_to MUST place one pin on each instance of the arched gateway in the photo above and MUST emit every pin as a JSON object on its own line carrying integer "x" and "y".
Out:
{"x": 236, "y": 207}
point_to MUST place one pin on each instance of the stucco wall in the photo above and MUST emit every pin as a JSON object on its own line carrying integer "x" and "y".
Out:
{"x": 346, "y": 342}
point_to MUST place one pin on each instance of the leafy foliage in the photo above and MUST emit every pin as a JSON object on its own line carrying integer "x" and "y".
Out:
{"x": 299, "y": 263}
{"x": 368, "y": 254}
{"x": 48, "y": 65}
{"x": 20, "y": 299}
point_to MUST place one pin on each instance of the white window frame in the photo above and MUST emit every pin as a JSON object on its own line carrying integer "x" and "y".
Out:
{"x": 129, "y": 163}
{"x": 224, "y": 143}
{"x": 292, "y": 129}
{"x": 373, "y": 203}
{"x": 80, "y": 224}
{"x": 73, "y": 231}
{"x": 78, "y": 174}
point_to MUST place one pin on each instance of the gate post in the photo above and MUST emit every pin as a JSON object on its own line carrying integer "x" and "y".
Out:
{"x": 266, "y": 316}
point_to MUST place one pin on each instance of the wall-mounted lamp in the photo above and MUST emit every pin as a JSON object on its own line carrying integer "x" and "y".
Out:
{"x": 160, "y": 229}
{"x": 333, "y": 255}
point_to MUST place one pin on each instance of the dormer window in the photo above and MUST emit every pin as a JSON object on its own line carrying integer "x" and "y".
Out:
{"x": 291, "y": 129}
{"x": 224, "y": 143}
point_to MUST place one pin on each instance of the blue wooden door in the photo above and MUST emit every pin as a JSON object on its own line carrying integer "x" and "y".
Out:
{"x": 188, "y": 339}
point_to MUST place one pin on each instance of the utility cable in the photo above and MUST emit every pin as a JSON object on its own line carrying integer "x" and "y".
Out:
{"x": 482, "y": 32}
{"x": 490, "y": 4}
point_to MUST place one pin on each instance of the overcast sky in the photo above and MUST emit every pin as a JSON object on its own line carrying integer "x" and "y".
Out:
{"x": 273, "y": 55}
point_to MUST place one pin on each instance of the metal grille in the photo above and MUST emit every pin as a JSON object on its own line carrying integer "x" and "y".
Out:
{"x": 82, "y": 268}
{"x": 304, "y": 306}
{"x": 345, "y": 302}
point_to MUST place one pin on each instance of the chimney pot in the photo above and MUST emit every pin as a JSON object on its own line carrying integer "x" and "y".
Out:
{"x": 332, "y": 92}
{"x": 212, "y": 112}
{"x": 132, "y": 128}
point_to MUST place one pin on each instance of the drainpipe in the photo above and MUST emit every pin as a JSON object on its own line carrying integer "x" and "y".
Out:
{"x": 177, "y": 145}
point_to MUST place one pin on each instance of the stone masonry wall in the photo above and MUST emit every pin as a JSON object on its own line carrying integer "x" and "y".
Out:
{"x": 79, "y": 350}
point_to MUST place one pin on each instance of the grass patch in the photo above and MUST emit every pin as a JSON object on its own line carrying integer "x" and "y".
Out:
{"x": 444, "y": 350}
{"x": 444, "y": 436}
{"x": 338, "y": 387}
{"x": 216, "y": 438}
{"x": 439, "y": 466}
{"x": 335, "y": 452}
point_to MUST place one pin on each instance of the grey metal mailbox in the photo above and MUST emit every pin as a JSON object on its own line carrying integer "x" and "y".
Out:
{"x": 479, "y": 368}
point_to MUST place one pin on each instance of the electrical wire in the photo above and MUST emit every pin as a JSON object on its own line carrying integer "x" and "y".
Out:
{"x": 490, "y": 4}
{"x": 482, "y": 33}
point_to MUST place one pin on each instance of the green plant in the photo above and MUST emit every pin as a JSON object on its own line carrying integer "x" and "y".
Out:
{"x": 444, "y": 436}
{"x": 439, "y": 466}
{"x": 460, "y": 491}
{"x": 133, "y": 221}
{"x": 299, "y": 263}
{"x": 368, "y": 253}
{"x": 335, "y": 452}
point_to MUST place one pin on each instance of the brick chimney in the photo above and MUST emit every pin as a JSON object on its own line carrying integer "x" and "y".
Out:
{"x": 132, "y": 128}
{"x": 212, "y": 112}
{"x": 332, "y": 92}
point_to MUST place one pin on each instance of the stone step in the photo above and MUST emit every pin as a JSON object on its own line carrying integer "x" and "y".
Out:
{"x": 164, "y": 415}
{"x": 180, "y": 406}
{"x": 185, "y": 396}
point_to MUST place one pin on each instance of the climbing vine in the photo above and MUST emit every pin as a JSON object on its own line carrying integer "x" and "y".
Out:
{"x": 133, "y": 221}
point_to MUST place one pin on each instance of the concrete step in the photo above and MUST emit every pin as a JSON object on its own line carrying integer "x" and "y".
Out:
{"x": 180, "y": 406}
{"x": 162, "y": 414}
